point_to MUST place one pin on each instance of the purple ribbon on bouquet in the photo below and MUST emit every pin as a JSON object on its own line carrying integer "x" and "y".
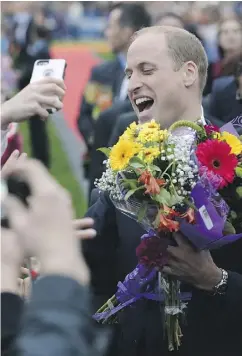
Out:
{"x": 142, "y": 282}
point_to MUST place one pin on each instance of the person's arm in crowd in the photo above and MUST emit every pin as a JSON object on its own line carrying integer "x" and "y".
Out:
{"x": 58, "y": 310}
{"x": 85, "y": 118}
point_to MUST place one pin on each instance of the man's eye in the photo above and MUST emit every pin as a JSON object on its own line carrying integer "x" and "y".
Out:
{"x": 147, "y": 71}
{"x": 128, "y": 75}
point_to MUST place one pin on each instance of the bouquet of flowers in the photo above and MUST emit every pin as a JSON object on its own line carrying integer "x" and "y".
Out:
{"x": 187, "y": 178}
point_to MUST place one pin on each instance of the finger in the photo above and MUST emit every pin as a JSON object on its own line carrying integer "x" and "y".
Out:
{"x": 180, "y": 239}
{"x": 20, "y": 287}
{"x": 41, "y": 112}
{"x": 9, "y": 165}
{"x": 36, "y": 176}
{"x": 52, "y": 89}
{"x": 24, "y": 271}
{"x": 50, "y": 101}
{"x": 16, "y": 212}
{"x": 174, "y": 251}
{"x": 83, "y": 223}
{"x": 86, "y": 234}
{"x": 26, "y": 287}
{"x": 168, "y": 270}
{"x": 51, "y": 80}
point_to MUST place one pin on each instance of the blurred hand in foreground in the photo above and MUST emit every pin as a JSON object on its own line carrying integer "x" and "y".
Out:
{"x": 46, "y": 229}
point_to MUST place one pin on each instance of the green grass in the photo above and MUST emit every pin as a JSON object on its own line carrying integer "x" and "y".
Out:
{"x": 60, "y": 167}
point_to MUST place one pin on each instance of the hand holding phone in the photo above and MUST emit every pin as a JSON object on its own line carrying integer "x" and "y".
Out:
{"x": 52, "y": 68}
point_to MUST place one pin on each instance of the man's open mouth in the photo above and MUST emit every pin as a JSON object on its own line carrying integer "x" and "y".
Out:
{"x": 144, "y": 103}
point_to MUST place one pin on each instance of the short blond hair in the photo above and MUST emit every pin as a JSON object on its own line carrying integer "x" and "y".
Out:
{"x": 183, "y": 46}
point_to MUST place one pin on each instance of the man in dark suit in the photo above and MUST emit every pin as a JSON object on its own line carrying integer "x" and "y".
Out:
{"x": 168, "y": 66}
{"x": 225, "y": 102}
{"x": 107, "y": 84}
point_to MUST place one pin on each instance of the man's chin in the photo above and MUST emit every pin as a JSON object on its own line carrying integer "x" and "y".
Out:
{"x": 145, "y": 116}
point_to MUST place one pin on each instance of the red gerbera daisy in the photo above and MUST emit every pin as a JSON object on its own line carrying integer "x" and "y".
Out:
{"x": 216, "y": 156}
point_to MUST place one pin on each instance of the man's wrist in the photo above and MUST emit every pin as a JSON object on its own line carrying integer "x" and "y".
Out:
{"x": 6, "y": 116}
{"x": 210, "y": 279}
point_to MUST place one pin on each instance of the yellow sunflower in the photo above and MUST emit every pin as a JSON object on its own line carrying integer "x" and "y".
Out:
{"x": 233, "y": 141}
{"x": 121, "y": 154}
{"x": 131, "y": 132}
{"x": 148, "y": 135}
{"x": 151, "y": 125}
{"x": 149, "y": 154}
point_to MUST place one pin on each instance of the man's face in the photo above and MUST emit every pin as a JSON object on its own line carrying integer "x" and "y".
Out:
{"x": 116, "y": 35}
{"x": 155, "y": 89}
{"x": 230, "y": 37}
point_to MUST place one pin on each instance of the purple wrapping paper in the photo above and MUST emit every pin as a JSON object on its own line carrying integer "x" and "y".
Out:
{"x": 229, "y": 127}
{"x": 207, "y": 232}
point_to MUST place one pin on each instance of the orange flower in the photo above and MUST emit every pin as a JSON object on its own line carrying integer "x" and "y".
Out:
{"x": 190, "y": 216}
{"x": 166, "y": 220}
{"x": 167, "y": 224}
{"x": 152, "y": 184}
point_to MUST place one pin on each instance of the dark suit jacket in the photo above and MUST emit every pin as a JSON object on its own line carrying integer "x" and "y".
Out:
{"x": 102, "y": 131}
{"x": 102, "y": 88}
{"x": 223, "y": 105}
{"x": 121, "y": 125}
{"x": 214, "y": 323}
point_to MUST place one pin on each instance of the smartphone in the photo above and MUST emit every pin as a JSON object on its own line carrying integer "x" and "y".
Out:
{"x": 17, "y": 187}
{"x": 54, "y": 68}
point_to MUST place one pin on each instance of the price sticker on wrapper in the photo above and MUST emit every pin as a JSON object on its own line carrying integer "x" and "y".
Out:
{"x": 205, "y": 217}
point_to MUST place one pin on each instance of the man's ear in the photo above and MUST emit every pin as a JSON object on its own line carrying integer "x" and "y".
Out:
{"x": 128, "y": 32}
{"x": 190, "y": 73}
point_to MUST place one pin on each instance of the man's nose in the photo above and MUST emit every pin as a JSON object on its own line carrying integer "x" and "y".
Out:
{"x": 134, "y": 84}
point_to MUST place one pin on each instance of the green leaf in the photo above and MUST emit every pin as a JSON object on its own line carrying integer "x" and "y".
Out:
{"x": 155, "y": 168}
{"x": 131, "y": 192}
{"x": 136, "y": 165}
{"x": 142, "y": 212}
{"x": 163, "y": 197}
{"x": 136, "y": 160}
{"x": 228, "y": 229}
{"x": 132, "y": 183}
{"x": 239, "y": 192}
{"x": 238, "y": 172}
{"x": 105, "y": 150}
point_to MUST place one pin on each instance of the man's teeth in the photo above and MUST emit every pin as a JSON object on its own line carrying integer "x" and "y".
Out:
{"x": 142, "y": 100}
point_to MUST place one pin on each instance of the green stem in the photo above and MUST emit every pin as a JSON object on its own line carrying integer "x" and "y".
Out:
{"x": 105, "y": 306}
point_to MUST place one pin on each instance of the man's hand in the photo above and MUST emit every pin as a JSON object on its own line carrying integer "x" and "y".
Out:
{"x": 33, "y": 100}
{"x": 46, "y": 226}
{"x": 10, "y": 165}
{"x": 192, "y": 266}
